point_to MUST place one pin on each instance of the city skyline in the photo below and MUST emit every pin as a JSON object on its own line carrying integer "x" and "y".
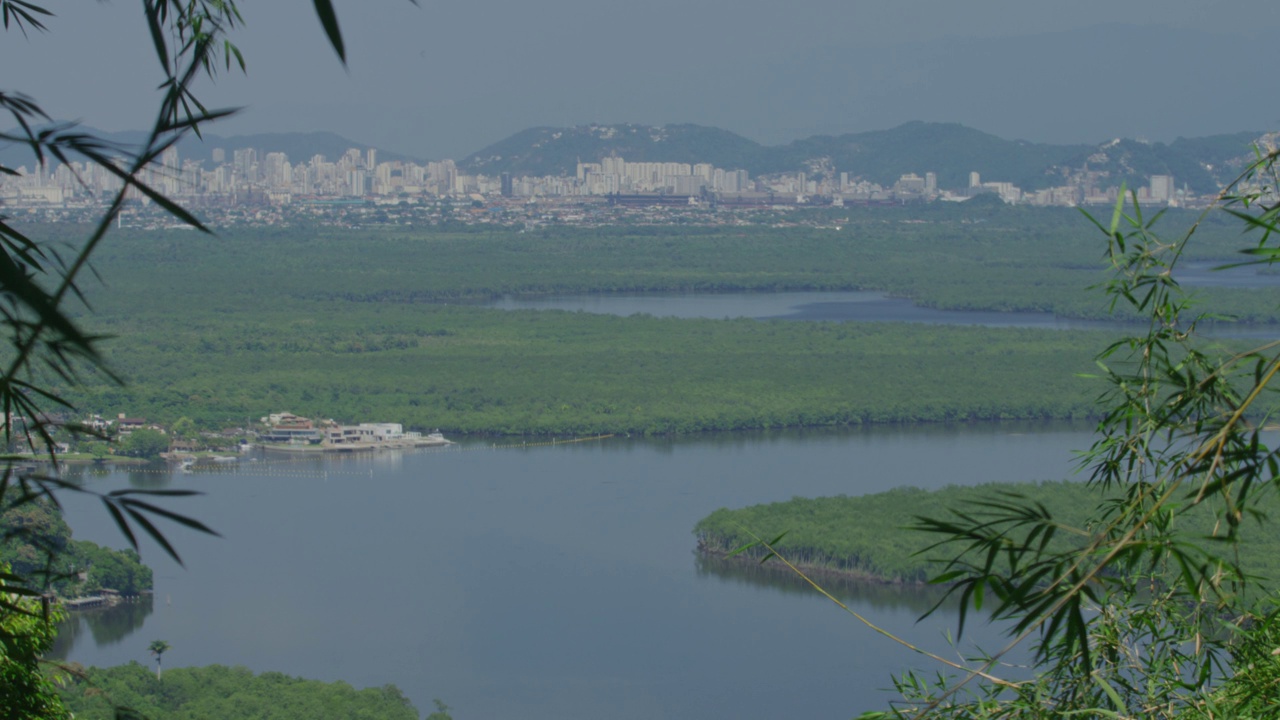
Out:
{"x": 250, "y": 176}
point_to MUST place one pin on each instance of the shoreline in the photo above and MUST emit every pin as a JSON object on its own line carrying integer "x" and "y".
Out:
{"x": 355, "y": 447}
{"x": 809, "y": 569}
{"x": 112, "y": 460}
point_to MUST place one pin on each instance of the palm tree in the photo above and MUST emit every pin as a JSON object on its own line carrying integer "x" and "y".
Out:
{"x": 157, "y": 648}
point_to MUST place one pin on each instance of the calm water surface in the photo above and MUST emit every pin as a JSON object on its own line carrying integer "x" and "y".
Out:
{"x": 855, "y": 306}
{"x": 549, "y": 582}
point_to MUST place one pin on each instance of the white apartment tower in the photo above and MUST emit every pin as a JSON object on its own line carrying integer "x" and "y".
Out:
{"x": 1162, "y": 188}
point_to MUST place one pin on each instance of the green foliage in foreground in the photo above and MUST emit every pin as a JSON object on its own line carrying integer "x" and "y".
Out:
{"x": 26, "y": 634}
{"x": 1162, "y": 603}
{"x": 226, "y": 693}
{"x": 873, "y": 536}
{"x": 37, "y": 543}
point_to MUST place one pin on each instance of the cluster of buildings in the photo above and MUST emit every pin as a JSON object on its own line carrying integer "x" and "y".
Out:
{"x": 250, "y": 178}
{"x": 289, "y": 429}
{"x": 277, "y": 429}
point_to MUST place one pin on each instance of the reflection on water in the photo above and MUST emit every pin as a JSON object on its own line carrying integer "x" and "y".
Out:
{"x": 152, "y": 476}
{"x": 774, "y": 576}
{"x": 149, "y": 476}
{"x": 548, "y": 582}
{"x": 107, "y": 625}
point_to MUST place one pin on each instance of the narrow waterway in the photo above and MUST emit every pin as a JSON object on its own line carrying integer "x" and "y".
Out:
{"x": 842, "y": 306}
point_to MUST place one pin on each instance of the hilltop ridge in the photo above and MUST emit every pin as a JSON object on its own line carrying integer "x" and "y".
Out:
{"x": 951, "y": 150}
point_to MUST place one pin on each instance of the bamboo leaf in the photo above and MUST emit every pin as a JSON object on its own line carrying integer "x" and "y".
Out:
{"x": 329, "y": 20}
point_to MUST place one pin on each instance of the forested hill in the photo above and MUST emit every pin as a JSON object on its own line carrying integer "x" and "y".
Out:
{"x": 31, "y": 530}
{"x": 882, "y": 156}
{"x": 949, "y": 149}
{"x": 556, "y": 151}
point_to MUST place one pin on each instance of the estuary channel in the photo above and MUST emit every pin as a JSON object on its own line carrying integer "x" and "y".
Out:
{"x": 875, "y": 306}
{"x": 545, "y": 582}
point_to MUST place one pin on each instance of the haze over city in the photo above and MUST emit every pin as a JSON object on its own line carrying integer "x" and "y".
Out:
{"x": 442, "y": 80}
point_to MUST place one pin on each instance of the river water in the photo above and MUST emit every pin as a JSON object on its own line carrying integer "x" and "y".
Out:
{"x": 838, "y": 306}
{"x": 545, "y": 582}
{"x": 875, "y": 306}
{"x": 845, "y": 306}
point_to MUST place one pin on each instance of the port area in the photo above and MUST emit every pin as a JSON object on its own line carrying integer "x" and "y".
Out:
{"x": 103, "y": 598}
{"x": 429, "y": 441}
{"x": 287, "y": 432}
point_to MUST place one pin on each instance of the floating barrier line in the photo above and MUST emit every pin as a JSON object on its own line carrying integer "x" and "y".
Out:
{"x": 548, "y": 443}
{"x": 445, "y": 449}
{"x": 246, "y": 469}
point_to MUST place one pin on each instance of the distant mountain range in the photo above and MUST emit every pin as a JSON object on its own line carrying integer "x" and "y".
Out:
{"x": 949, "y": 149}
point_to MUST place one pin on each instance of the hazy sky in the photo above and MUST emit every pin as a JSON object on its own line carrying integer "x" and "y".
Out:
{"x": 447, "y": 78}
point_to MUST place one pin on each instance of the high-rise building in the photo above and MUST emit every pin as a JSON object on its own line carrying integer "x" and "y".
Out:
{"x": 355, "y": 182}
{"x": 276, "y": 171}
{"x": 245, "y": 161}
{"x": 613, "y": 165}
{"x": 1162, "y": 188}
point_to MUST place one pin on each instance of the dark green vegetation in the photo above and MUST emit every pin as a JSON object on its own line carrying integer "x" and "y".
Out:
{"x": 882, "y": 156}
{"x": 25, "y": 690}
{"x": 227, "y": 693}
{"x": 355, "y": 324}
{"x": 874, "y": 536}
{"x": 144, "y": 443}
{"x": 1149, "y": 591}
{"x": 968, "y": 256}
{"x": 36, "y": 542}
{"x": 1155, "y": 605}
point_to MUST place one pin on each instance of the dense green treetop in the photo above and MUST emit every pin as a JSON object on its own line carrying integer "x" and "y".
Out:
{"x": 26, "y": 690}
{"x": 36, "y": 542}
{"x": 226, "y": 693}
{"x": 144, "y": 443}
{"x": 872, "y": 536}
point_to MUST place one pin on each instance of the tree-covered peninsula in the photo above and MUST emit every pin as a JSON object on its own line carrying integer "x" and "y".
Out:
{"x": 877, "y": 537}
{"x": 36, "y": 543}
